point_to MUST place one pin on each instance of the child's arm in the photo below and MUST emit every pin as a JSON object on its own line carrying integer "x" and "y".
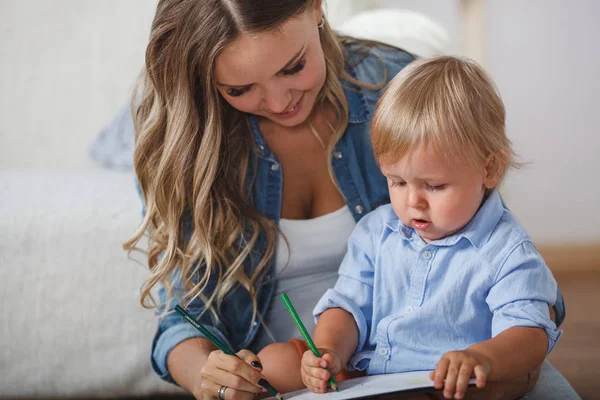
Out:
{"x": 512, "y": 353}
{"x": 344, "y": 313}
{"x": 336, "y": 336}
{"x": 336, "y": 330}
{"x": 522, "y": 331}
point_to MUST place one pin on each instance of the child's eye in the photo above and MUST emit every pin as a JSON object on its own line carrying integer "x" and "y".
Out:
{"x": 435, "y": 188}
{"x": 295, "y": 69}
{"x": 398, "y": 183}
{"x": 233, "y": 92}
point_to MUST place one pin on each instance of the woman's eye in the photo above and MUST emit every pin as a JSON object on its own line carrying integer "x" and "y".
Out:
{"x": 397, "y": 183}
{"x": 435, "y": 188}
{"x": 237, "y": 92}
{"x": 295, "y": 69}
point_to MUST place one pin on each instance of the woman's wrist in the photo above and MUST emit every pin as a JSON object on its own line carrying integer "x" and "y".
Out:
{"x": 185, "y": 362}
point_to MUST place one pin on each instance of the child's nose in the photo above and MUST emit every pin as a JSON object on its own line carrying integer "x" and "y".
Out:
{"x": 416, "y": 199}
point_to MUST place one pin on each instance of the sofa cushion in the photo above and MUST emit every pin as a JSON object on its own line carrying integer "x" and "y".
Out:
{"x": 72, "y": 325}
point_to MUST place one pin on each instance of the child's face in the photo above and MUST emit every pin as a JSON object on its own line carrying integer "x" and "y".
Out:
{"x": 433, "y": 197}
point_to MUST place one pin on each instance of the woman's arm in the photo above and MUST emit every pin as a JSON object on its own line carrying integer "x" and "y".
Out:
{"x": 186, "y": 361}
{"x": 181, "y": 355}
{"x": 197, "y": 366}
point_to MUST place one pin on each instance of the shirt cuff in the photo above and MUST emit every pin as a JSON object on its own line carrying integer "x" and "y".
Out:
{"x": 360, "y": 360}
{"x": 529, "y": 315}
{"x": 553, "y": 334}
{"x": 333, "y": 299}
{"x": 166, "y": 341}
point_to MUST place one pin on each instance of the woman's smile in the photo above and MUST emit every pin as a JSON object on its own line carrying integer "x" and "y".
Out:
{"x": 292, "y": 111}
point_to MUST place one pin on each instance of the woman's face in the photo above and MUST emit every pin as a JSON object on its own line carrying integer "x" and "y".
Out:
{"x": 277, "y": 74}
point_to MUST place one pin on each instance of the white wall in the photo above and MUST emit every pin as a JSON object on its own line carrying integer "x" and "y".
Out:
{"x": 445, "y": 12}
{"x": 66, "y": 66}
{"x": 544, "y": 57}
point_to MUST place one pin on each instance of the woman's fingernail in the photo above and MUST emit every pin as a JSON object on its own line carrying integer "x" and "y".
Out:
{"x": 256, "y": 364}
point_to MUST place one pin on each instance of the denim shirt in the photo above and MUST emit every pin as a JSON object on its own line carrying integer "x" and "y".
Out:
{"x": 363, "y": 187}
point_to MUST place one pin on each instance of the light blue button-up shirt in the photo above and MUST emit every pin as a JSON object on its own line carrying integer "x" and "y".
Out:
{"x": 414, "y": 301}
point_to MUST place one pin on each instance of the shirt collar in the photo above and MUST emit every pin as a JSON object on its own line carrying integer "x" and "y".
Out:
{"x": 397, "y": 226}
{"x": 477, "y": 231}
{"x": 480, "y": 228}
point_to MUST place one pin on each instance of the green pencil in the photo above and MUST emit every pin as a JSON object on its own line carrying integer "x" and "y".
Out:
{"x": 313, "y": 348}
{"x": 215, "y": 340}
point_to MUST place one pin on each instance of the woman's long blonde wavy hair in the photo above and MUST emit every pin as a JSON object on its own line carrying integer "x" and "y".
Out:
{"x": 193, "y": 149}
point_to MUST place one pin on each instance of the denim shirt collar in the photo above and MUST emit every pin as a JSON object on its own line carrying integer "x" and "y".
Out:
{"x": 477, "y": 231}
{"x": 358, "y": 111}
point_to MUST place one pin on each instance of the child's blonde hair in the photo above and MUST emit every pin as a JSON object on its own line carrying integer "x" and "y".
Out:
{"x": 447, "y": 103}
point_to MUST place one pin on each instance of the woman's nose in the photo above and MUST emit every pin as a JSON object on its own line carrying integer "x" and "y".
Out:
{"x": 278, "y": 100}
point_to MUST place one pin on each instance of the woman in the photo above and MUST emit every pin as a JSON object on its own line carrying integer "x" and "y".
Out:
{"x": 254, "y": 162}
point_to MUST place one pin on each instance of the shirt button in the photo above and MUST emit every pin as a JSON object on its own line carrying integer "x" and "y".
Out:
{"x": 255, "y": 323}
{"x": 359, "y": 209}
{"x": 338, "y": 155}
{"x": 409, "y": 309}
{"x": 261, "y": 148}
{"x": 427, "y": 255}
{"x": 274, "y": 167}
{"x": 384, "y": 351}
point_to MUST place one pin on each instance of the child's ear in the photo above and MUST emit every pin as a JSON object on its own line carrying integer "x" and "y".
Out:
{"x": 492, "y": 172}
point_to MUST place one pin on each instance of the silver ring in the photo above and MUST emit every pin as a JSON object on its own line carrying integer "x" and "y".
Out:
{"x": 221, "y": 392}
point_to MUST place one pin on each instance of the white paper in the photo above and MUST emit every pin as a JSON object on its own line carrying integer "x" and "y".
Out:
{"x": 369, "y": 386}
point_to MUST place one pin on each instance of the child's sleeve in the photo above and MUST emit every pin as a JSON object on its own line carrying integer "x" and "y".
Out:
{"x": 522, "y": 293}
{"x": 353, "y": 290}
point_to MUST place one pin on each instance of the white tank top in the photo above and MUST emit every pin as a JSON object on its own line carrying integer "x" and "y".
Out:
{"x": 313, "y": 245}
{"x": 306, "y": 266}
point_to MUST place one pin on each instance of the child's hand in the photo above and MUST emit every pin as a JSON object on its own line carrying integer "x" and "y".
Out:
{"x": 457, "y": 368}
{"x": 313, "y": 375}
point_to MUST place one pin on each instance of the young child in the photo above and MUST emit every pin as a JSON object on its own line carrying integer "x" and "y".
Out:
{"x": 444, "y": 278}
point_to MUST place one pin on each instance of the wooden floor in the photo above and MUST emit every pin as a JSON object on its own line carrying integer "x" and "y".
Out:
{"x": 577, "y": 354}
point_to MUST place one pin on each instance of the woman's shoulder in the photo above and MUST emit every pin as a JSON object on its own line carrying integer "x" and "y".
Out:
{"x": 373, "y": 63}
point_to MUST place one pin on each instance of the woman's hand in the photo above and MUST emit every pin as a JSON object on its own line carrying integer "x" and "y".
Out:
{"x": 240, "y": 376}
{"x": 455, "y": 369}
{"x": 314, "y": 376}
